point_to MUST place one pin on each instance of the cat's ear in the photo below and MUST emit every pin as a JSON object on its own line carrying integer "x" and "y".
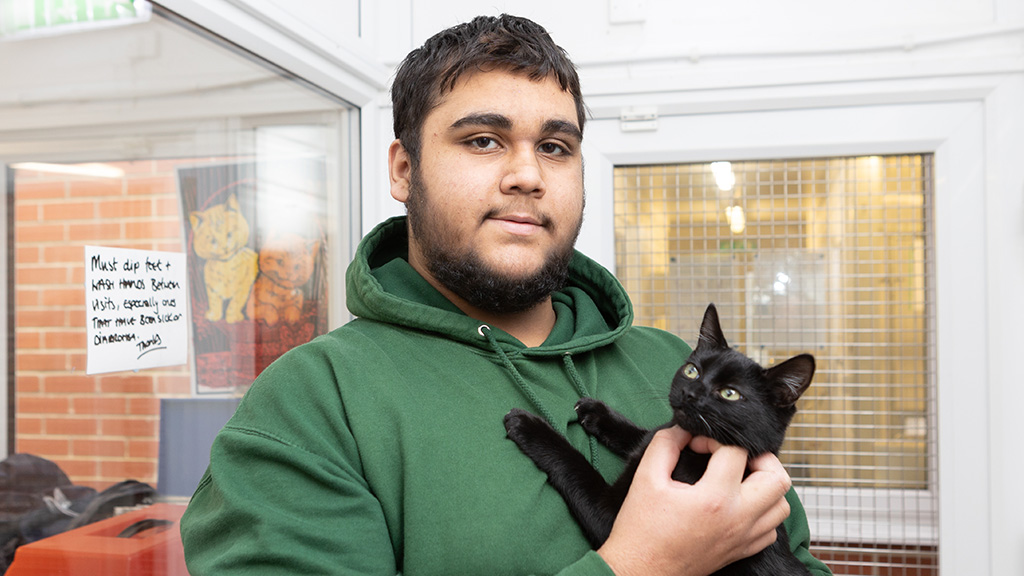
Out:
{"x": 711, "y": 329}
{"x": 233, "y": 203}
{"x": 195, "y": 218}
{"x": 791, "y": 378}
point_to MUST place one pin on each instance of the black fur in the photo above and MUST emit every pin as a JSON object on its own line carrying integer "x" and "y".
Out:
{"x": 756, "y": 421}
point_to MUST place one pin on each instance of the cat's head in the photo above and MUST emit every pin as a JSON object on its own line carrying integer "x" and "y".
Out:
{"x": 722, "y": 394}
{"x": 288, "y": 259}
{"x": 220, "y": 231}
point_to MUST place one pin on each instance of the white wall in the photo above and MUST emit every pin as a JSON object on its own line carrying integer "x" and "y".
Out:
{"x": 749, "y": 79}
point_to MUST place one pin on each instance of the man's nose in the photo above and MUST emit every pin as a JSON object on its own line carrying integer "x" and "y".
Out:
{"x": 523, "y": 173}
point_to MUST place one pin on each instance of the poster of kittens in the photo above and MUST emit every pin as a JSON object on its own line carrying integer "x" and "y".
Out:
{"x": 256, "y": 247}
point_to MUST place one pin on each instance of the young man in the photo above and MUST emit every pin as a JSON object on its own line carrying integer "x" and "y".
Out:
{"x": 380, "y": 448}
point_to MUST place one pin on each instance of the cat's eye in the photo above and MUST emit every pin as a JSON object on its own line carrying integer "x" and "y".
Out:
{"x": 690, "y": 371}
{"x": 730, "y": 394}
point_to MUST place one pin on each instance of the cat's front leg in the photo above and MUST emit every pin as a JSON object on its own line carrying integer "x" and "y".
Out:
{"x": 612, "y": 429}
{"x": 537, "y": 439}
{"x": 584, "y": 490}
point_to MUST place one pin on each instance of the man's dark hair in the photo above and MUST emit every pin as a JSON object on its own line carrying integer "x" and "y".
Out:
{"x": 486, "y": 43}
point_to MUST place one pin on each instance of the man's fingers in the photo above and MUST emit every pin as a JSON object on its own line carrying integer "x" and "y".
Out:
{"x": 662, "y": 454}
{"x": 768, "y": 479}
{"x": 726, "y": 467}
{"x": 704, "y": 445}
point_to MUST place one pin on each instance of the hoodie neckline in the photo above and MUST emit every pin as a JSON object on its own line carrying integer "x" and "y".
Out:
{"x": 591, "y": 311}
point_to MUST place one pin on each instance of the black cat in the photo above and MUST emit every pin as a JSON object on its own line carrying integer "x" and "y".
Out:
{"x": 718, "y": 393}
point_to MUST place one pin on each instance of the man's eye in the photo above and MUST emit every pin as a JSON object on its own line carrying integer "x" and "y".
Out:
{"x": 552, "y": 148}
{"x": 483, "y": 142}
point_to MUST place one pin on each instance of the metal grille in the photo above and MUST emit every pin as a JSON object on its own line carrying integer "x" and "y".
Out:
{"x": 831, "y": 256}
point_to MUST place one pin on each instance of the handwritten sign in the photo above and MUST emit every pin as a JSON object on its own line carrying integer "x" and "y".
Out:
{"x": 135, "y": 309}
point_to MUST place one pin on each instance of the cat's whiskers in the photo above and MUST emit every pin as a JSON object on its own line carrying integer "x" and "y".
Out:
{"x": 706, "y": 423}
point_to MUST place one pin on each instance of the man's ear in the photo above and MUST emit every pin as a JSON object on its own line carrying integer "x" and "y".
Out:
{"x": 399, "y": 170}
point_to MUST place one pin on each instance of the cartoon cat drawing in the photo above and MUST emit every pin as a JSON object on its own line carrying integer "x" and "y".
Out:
{"x": 286, "y": 263}
{"x": 220, "y": 234}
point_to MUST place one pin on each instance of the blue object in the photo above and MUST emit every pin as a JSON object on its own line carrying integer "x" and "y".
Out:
{"x": 187, "y": 429}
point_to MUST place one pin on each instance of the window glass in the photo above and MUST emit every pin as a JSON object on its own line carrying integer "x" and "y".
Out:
{"x": 830, "y": 256}
{"x": 154, "y": 146}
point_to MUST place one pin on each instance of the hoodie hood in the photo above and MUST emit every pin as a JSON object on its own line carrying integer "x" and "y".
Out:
{"x": 592, "y": 310}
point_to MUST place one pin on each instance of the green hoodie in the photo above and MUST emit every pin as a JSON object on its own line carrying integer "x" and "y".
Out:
{"x": 380, "y": 448}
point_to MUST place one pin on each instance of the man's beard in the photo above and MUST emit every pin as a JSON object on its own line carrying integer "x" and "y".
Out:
{"x": 463, "y": 271}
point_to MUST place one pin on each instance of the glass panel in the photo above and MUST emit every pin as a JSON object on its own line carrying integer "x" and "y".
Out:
{"x": 829, "y": 256}
{"x": 158, "y": 139}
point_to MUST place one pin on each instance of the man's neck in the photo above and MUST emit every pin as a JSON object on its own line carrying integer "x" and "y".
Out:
{"x": 531, "y": 327}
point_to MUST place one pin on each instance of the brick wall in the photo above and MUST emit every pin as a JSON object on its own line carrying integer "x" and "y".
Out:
{"x": 100, "y": 429}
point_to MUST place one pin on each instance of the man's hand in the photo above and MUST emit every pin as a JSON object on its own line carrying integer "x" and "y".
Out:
{"x": 668, "y": 527}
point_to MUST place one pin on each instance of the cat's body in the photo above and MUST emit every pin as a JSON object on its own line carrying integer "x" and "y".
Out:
{"x": 220, "y": 235}
{"x": 718, "y": 393}
{"x": 286, "y": 263}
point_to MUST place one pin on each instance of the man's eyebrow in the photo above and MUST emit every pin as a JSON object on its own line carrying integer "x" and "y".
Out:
{"x": 563, "y": 127}
{"x": 503, "y": 122}
{"x": 490, "y": 120}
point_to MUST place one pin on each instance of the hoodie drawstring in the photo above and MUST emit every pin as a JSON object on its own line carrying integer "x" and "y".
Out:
{"x": 485, "y": 331}
{"x": 524, "y": 387}
{"x": 581, "y": 389}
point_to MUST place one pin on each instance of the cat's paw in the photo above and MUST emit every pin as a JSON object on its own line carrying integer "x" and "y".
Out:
{"x": 591, "y": 413}
{"x": 521, "y": 426}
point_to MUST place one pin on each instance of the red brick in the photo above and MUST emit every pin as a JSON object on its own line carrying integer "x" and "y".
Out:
{"x": 152, "y": 186}
{"x": 27, "y": 297}
{"x": 98, "y": 187}
{"x": 153, "y": 229}
{"x": 26, "y": 212}
{"x": 46, "y": 275}
{"x": 69, "y": 211}
{"x": 60, "y": 254}
{"x": 134, "y": 208}
{"x": 26, "y": 254}
{"x": 28, "y": 425}
{"x": 149, "y": 449}
{"x": 71, "y": 426}
{"x": 69, "y": 384}
{"x": 65, "y": 340}
{"x": 98, "y": 447}
{"x": 39, "y": 190}
{"x": 166, "y": 206}
{"x": 44, "y": 232}
{"x": 59, "y": 297}
{"x": 168, "y": 246}
{"x": 94, "y": 232}
{"x": 40, "y": 318}
{"x": 28, "y": 340}
{"x": 127, "y": 384}
{"x": 28, "y": 384}
{"x": 79, "y": 470}
{"x": 41, "y": 405}
{"x": 117, "y": 470}
{"x": 42, "y": 362}
{"x": 45, "y": 447}
{"x": 144, "y": 406}
{"x": 167, "y": 385}
{"x": 145, "y": 427}
{"x": 77, "y": 317}
{"x": 99, "y": 405}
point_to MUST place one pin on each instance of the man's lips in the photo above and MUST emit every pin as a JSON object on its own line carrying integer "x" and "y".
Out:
{"x": 519, "y": 223}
